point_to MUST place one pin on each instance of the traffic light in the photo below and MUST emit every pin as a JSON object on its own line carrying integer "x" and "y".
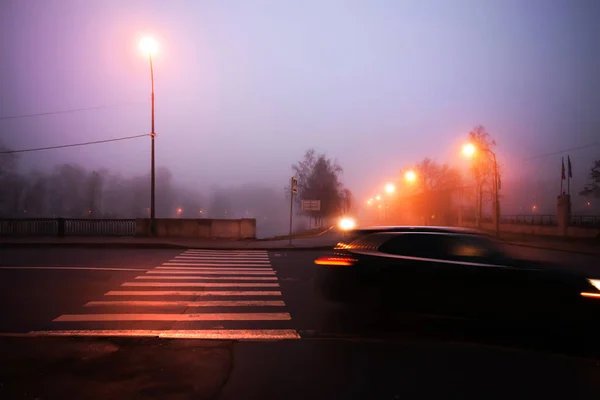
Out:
{"x": 294, "y": 185}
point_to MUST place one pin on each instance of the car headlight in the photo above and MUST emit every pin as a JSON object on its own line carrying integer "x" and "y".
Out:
{"x": 347, "y": 224}
{"x": 595, "y": 283}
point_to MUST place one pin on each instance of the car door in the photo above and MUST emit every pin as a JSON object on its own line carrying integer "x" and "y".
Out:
{"x": 486, "y": 283}
{"x": 411, "y": 273}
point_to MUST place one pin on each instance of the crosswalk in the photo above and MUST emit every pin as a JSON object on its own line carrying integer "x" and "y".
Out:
{"x": 201, "y": 294}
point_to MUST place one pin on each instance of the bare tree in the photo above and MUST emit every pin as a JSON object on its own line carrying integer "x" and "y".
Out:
{"x": 434, "y": 188}
{"x": 592, "y": 189}
{"x": 483, "y": 165}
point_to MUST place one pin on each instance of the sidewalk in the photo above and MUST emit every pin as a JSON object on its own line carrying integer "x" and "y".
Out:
{"x": 573, "y": 245}
{"x": 322, "y": 242}
{"x": 319, "y": 242}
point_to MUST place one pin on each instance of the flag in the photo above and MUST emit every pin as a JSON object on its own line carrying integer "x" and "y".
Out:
{"x": 569, "y": 166}
{"x": 563, "y": 169}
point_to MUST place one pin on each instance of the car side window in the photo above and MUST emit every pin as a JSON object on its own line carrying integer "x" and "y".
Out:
{"x": 416, "y": 245}
{"x": 470, "y": 249}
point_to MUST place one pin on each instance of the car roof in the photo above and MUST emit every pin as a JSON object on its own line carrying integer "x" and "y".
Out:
{"x": 412, "y": 228}
{"x": 372, "y": 241}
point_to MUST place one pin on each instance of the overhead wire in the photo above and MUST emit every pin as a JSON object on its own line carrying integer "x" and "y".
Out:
{"x": 73, "y": 144}
{"x": 65, "y": 111}
{"x": 563, "y": 151}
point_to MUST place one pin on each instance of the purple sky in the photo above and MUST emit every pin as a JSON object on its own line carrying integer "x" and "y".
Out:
{"x": 243, "y": 88}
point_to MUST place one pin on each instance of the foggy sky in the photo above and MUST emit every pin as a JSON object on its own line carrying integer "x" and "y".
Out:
{"x": 244, "y": 87}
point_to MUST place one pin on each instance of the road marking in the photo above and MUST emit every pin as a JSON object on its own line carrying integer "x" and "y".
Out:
{"x": 217, "y": 264}
{"x": 227, "y": 252}
{"x": 211, "y": 271}
{"x": 166, "y": 303}
{"x": 236, "y": 257}
{"x": 221, "y": 278}
{"x": 190, "y": 293}
{"x": 216, "y": 269}
{"x": 238, "y": 334}
{"x": 174, "y": 317}
{"x": 77, "y": 268}
{"x": 198, "y": 284}
{"x": 220, "y": 260}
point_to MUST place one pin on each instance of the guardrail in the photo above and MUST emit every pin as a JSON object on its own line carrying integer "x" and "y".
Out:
{"x": 67, "y": 227}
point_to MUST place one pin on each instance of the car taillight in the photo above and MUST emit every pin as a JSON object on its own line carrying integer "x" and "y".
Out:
{"x": 335, "y": 261}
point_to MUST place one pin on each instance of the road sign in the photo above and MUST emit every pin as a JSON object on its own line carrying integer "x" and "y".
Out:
{"x": 311, "y": 205}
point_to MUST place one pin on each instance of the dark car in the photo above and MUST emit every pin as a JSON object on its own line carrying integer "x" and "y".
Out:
{"x": 354, "y": 234}
{"x": 453, "y": 274}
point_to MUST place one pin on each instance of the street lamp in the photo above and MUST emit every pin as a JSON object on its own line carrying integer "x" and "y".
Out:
{"x": 390, "y": 188}
{"x": 149, "y": 46}
{"x": 469, "y": 150}
{"x": 410, "y": 176}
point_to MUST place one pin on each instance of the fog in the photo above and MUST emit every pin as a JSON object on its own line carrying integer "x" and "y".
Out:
{"x": 71, "y": 191}
{"x": 242, "y": 89}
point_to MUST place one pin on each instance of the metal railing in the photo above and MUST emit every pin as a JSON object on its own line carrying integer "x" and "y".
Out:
{"x": 586, "y": 220}
{"x": 67, "y": 227}
{"x": 29, "y": 227}
{"x": 532, "y": 219}
{"x": 591, "y": 221}
{"x": 99, "y": 227}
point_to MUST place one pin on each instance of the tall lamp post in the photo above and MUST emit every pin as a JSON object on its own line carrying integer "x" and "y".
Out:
{"x": 149, "y": 46}
{"x": 469, "y": 150}
{"x": 390, "y": 188}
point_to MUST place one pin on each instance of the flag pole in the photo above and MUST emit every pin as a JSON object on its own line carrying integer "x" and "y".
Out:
{"x": 569, "y": 175}
{"x": 562, "y": 176}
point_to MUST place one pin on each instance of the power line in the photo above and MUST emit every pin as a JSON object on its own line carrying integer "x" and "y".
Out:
{"x": 73, "y": 145}
{"x": 64, "y": 111}
{"x": 564, "y": 151}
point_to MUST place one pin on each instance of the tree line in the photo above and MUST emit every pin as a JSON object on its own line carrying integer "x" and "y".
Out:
{"x": 72, "y": 191}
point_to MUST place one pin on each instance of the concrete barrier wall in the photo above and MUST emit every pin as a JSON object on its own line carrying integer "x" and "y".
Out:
{"x": 199, "y": 228}
{"x": 572, "y": 231}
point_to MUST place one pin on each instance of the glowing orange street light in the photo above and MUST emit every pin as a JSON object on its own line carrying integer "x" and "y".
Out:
{"x": 469, "y": 150}
{"x": 148, "y": 46}
{"x": 390, "y": 188}
{"x": 410, "y": 176}
{"x": 378, "y": 197}
{"x": 179, "y": 210}
{"x": 370, "y": 202}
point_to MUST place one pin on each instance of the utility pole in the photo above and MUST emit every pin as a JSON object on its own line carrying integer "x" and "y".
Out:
{"x": 293, "y": 191}
{"x": 496, "y": 196}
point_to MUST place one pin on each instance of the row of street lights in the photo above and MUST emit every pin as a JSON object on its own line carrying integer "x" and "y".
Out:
{"x": 410, "y": 176}
{"x": 469, "y": 150}
{"x": 149, "y": 46}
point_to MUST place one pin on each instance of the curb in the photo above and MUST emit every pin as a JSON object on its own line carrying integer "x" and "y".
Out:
{"x": 153, "y": 246}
